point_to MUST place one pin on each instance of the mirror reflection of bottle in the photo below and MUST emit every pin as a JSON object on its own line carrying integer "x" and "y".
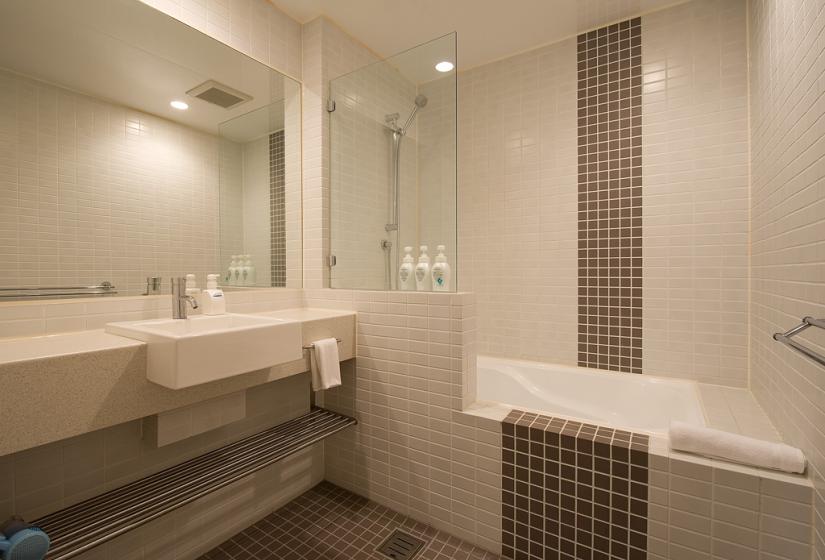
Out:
{"x": 423, "y": 281}
{"x": 249, "y": 271}
{"x": 230, "y": 273}
{"x": 441, "y": 271}
{"x": 406, "y": 273}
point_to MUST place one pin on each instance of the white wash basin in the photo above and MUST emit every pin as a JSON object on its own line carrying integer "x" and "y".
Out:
{"x": 186, "y": 352}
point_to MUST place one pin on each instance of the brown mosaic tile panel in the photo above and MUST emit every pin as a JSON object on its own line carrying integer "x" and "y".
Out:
{"x": 572, "y": 490}
{"x": 610, "y": 197}
{"x": 277, "y": 209}
{"x": 330, "y": 523}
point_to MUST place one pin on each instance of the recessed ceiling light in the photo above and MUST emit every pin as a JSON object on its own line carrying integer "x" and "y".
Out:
{"x": 444, "y": 66}
{"x": 179, "y": 105}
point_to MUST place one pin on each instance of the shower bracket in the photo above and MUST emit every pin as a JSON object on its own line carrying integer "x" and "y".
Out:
{"x": 330, "y": 105}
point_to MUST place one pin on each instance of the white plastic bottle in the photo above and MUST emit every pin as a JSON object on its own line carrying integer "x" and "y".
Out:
{"x": 213, "y": 301}
{"x": 192, "y": 287}
{"x": 441, "y": 272}
{"x": 231, "y": 273}
{"x": 406, "y": 272}
{"x": 248, "y": 271}
{"x": 423, "y": 280}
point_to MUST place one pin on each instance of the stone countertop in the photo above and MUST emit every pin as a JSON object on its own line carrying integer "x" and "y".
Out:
{"x": 59, "y": 386}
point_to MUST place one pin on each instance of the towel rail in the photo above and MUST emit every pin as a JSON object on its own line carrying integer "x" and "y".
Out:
{"x": 81, "y": 527}
{"x": 786, "y": 338}
{"x": 311, "y": 346}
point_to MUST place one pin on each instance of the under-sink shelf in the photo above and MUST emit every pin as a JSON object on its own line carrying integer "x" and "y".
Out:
{"x": 90, "y": 523}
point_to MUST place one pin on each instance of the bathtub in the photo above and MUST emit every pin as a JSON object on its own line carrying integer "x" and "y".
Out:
{"x": 621, "y": 400}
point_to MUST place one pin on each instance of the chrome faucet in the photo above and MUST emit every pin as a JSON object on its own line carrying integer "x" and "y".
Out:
{"x": 180, "y": 299}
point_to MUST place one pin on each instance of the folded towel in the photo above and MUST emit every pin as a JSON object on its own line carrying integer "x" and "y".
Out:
{"x": 326, "y": 370}
{"x": 736, "y": 448}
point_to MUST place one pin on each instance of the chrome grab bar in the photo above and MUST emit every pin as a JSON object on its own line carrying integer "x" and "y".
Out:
{"x": 786, "y": 338}
{"x": 102, "y": 289}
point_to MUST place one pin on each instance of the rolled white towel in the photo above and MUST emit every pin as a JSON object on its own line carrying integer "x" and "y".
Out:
{"x": 326, "y": 369}
{"x": 736, "y": 448}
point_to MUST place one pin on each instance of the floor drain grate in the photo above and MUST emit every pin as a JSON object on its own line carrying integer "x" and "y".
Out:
{"x": 401, "y": 546}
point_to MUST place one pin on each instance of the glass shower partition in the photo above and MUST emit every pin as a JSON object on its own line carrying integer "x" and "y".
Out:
{"x": 393, "y": 166}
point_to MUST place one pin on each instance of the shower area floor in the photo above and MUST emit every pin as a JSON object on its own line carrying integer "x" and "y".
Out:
{"x": 328, "y": 522}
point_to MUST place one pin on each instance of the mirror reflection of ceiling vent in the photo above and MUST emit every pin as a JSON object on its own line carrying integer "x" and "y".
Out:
{"x": 219, "y": 94}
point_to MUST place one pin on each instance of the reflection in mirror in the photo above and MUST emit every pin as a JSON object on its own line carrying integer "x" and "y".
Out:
{"x": 393, "y": 172}
{"x": 126, "y": 155}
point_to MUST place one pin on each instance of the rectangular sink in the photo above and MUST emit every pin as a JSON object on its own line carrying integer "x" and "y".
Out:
{"x": 200, "y": 349}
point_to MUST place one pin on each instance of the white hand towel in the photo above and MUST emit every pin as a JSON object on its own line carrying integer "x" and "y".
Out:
{"x": 736, "y": 448}
{"x": 326, "y": 370}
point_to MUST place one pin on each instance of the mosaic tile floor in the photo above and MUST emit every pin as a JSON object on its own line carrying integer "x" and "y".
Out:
{"x": 329, "y": 523}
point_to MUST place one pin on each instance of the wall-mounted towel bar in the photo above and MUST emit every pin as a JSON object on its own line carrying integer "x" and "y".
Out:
{"x": 311, "y": 346}
{"x": 83, "y": 526}
{"x": 786, "y": 338}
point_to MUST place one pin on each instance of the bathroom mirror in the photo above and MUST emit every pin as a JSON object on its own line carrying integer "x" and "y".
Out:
{"x": 133, "y": 146}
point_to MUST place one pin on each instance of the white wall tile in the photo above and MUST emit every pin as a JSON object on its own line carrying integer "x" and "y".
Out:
{"x": 788, "y": 200}
{"x": 695, "y": 192}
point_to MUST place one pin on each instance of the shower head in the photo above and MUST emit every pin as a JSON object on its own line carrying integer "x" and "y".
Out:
{"x": 420, "y": 102}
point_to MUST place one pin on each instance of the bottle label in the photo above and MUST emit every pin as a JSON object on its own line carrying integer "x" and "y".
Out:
{"x": 438, "y": 277}
{"x": 404, "y": 274}
{"x": 420, "y": 273}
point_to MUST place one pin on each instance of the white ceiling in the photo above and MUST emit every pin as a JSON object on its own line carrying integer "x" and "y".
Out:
{"x": 487, "y": 29}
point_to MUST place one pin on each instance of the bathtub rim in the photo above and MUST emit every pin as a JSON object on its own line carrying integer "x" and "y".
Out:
{"x": 694, "y": 387}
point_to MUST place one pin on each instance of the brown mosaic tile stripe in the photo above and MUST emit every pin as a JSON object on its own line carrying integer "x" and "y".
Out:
{"x": 610, "y": 197}
{"x": 277, "y": 209}
{"x": 572, "y": 490}
{"x": 330, "y": 523}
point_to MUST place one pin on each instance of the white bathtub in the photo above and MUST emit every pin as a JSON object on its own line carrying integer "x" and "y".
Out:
{"x": 620, "y": 400}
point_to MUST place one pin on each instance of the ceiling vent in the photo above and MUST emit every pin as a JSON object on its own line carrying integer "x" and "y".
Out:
{"x": 219, "y": 94}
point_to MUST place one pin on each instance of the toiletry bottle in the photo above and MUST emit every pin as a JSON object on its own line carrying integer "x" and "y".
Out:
{"x": 237, "y": 279}
{"x": 441, "y": 272}
{"x": 213, "y": 300}
{"x": 423, "y": 281}
{"x": 406, "y": 273}
{"x": 230, "y": 273}
{"x": 192, "y": 287}
{"x": 249, "y": 271}
{"x": 243, "y": 270}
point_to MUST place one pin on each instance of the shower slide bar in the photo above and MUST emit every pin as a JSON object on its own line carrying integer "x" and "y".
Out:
{"x": 88, "y": 524}
{"x": 787, "y": 339}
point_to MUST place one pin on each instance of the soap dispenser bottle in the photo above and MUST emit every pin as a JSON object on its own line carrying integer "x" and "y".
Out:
{"x": 441, "y": 272}
{"x": 423, "y": 281}
{"x": 406, "y": 273}
{"x": 213, "y": 300}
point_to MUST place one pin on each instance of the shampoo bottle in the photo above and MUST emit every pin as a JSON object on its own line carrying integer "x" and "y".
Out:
{"x": 406, "y": 273}
{"x": 441, "y": 272}
{"x": 423, "y": 281}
